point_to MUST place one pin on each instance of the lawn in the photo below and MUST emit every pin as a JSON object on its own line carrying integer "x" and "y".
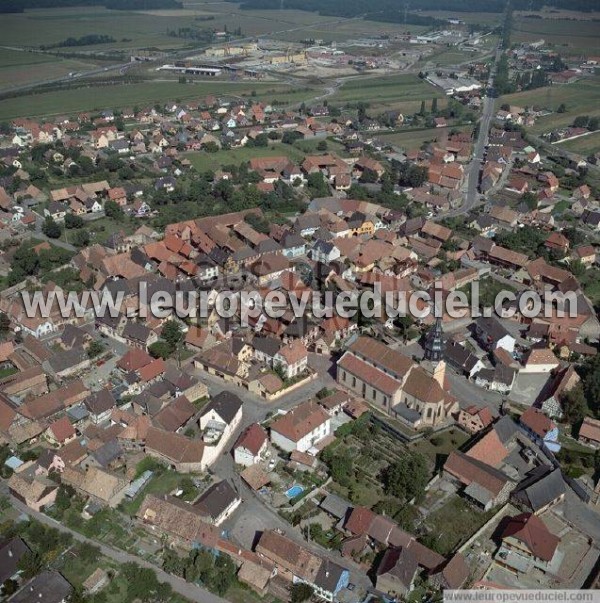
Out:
{"x": 95, "y": 98}
{"x": 580, "y": 98}
{"x": 451, "y": 525}
{"x": 203, "y": 161}
{"x": 584, "y": 145}
{"x": 162, "y": 482}
{"x": 590, "y": 282}
{"x": 440, "y": 444}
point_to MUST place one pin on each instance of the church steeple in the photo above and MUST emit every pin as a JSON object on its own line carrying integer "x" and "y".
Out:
{"x": 434, "y": 342}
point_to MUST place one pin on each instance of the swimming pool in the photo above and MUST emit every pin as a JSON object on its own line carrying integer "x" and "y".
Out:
{"x": 294, "y": 491}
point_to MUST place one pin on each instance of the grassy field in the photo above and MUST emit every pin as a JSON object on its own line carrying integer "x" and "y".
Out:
{"x": 584, "y": 145}
{"x": 128, "y": 95}
{"x": 413, "y": 139}
{"x": 203, "y": 161}
{"x": 580, "y": 98}
{"x": 573, "y": 36}
{"x": 452, "y": 524}
{"x": 395, "y": 89}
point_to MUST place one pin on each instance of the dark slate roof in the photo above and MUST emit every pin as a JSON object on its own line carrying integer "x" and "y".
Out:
{"x": 542, "y": 487}
{"x": 11, "y": 552}
{"x": 100, "y": 402}
{"x": 410, "y": 414}
{"x": 136, "y": 331}
{"x": 48, "y": 586}
{"x": 65, "y": 360}
{"x": 335, "y": 505}
{"x": 506, "y": 429}
{"x": 491, "y": 327}
{"x": 225, "y": 404}
{"x": 458, "y": 356}
{"x": 107, "y": 453}
{"x": 267, "y": 345}
{"x": 216, "y": 499}
{"x": 400, "y": 563}
{"x": 328, "y": 576}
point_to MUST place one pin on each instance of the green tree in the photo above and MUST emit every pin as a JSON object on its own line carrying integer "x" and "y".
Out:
{"x": 434, "y": 105}
{"x": 30, "y": 564}
{"x": 73, "y": 221}
{"x": 172, "y": 333}
{"x": 95, "y": 348}
{"x": 4, "y": 323}
{"x": 322, "y": 145}
{"x": 80, "y": 238}
{"x": 300, "y": 592}
{"x": 562, "y": 108}
{"x": 51, "y": 229}
{"x": 160, "y": 349}
{"x": 406, "y": 478}
{"x": 113, "y": 210}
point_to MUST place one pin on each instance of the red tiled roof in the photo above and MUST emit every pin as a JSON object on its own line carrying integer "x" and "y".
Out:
{"x": 489, "y": 449}
{"x": 62, "y": 429}
{"x": 252, "y": 438}
{"x": 537, "y": 421}
{"x": 300, "y": 421}
{"x": 531, "y": 531}
{"x": 360, "y": 520}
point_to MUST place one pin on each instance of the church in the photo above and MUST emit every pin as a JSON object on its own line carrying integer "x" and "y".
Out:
{"x": 416, "y": 394}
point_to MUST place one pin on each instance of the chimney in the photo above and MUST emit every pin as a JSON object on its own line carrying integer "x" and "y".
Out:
{"x": 10, "y": 553}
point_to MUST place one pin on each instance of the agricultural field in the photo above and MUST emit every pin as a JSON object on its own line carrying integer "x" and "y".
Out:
{"x": 392, "y": 89}
{"x": 584, "y": 145}
{"x": 580, "y": 98}
{"x": 18, "y": 68}
{"x": 573, "y": 35}
{"x": 35, "y": 28}
{"x": 128, "y": 95}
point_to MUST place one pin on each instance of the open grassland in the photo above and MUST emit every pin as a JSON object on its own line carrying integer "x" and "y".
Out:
{"x": 18, "y": 68}
{"x": 573, "y": 36}
{"x": 128, "y": 95}
{"x": 393, "y": 89}
{"x": 413, "y": 139}
{"x": 580, "y": 98}
{"x": 584, "y": 145}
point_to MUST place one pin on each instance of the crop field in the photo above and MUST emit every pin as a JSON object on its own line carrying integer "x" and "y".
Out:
{"x": 489, "y": 19}
{"x": 17, "y": 68}
{"x": 126, "y": 95}
{"x": 36, "y": 28}
{"x": 573, "y": 35}
{"x": 580, "y": 98}
{"x": 584, "y": 145}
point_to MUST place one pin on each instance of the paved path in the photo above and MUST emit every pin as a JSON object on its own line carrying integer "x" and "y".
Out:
{"x": 179, "y": 585}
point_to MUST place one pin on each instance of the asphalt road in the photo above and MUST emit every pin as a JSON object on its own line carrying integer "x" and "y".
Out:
{"x": 471, "y": 198}
{"x": 191, "y": 591}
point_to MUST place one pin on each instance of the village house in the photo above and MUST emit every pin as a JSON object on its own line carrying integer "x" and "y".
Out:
{"x": 301, "y": 428}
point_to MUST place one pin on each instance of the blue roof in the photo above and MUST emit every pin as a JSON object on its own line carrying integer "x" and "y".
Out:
{"x": 13, "y": 462}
